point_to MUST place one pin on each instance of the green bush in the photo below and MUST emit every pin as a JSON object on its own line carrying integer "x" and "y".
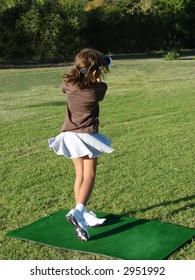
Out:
{"x": 171, "y": 55}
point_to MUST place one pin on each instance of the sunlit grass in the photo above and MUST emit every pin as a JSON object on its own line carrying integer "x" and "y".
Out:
{"x": 149, "y": 115}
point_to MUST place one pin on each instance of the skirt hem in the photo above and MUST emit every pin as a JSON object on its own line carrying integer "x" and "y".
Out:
{"x": 76, "y": 145}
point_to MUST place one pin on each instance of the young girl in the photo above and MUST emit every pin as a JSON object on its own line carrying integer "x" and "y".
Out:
{"x": 79, "y": 139}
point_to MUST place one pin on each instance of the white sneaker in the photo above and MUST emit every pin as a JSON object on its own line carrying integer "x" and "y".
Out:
{"x": 92, "y": 220}
{"x": 75, "y": 218}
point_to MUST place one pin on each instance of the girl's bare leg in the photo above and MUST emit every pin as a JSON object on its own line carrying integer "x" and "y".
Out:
{"x": 85, "y": 169}
{"x": 78, "y": 165}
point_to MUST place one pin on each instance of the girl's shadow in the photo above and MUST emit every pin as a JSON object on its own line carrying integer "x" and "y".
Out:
{"x": 117, "y": 219}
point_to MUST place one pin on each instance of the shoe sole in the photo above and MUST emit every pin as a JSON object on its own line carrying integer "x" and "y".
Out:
{"x": 80, "y": 233}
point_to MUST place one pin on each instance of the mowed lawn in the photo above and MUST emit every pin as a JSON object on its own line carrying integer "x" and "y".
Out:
{"x": 149, "y": 115}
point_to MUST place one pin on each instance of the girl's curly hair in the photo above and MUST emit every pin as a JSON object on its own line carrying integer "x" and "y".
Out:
{"x": 90, "y": 67}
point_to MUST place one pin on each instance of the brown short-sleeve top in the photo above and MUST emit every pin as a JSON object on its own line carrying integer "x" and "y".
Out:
{"x": 82, "y": 115}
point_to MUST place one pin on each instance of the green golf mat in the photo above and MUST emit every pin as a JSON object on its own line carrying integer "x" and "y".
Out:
{"x": 121, "y": 238}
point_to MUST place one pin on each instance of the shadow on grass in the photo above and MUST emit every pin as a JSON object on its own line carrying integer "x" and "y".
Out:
{"x": 184, "y": 55}
{"x": 187, "y": 58}
{"x": 48, "y": 104}
{"x": 166, "y": 203}
{"x": 186, "y": 207}
{"x": 68, "y": 61}
{"x": 117, "y": 219}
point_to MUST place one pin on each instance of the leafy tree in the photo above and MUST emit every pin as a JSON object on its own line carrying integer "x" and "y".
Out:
{"x": 109, "y": 20}
{"x": 50, "y": 29}
{"x": 45, "y": 29}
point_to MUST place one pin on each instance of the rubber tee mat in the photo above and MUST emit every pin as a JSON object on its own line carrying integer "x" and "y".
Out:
{"x": 121, "y": 238}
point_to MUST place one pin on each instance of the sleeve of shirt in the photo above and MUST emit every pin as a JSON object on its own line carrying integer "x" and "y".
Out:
{"x": 102, "y": 91}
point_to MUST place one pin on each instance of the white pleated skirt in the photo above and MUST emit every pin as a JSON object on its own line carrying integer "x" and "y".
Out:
{"x": 74, "y": 145}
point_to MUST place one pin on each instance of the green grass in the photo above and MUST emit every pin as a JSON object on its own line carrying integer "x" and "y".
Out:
{"x": 149, "y": 115}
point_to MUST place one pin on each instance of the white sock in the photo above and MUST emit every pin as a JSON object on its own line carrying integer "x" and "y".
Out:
{"x": 81, "y": 207}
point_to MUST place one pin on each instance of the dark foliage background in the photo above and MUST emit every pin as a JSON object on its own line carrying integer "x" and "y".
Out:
{"x": 46, "y": 30}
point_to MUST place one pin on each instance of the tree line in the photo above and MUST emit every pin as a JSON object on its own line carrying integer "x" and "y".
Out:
{"x": 56, "y": 29}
